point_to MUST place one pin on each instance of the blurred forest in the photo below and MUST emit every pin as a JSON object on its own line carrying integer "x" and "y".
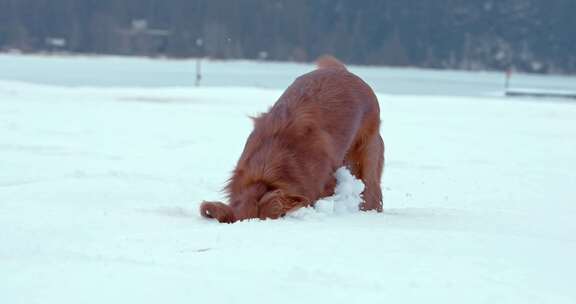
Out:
{"x": 528, "y": 35}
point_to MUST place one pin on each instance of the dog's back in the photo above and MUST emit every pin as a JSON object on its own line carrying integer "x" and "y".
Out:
{"x": 329, "y": 62}
{"x": 332, "y": 99}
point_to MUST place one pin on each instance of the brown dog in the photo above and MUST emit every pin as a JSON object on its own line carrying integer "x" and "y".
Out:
{"x": 326, "y": 119}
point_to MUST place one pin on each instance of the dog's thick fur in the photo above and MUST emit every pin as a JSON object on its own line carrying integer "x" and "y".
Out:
{"x": 326, "y": 119}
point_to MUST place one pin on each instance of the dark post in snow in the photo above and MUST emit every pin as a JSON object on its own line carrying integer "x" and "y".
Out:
{"x": 198, "y": 71}
{"x": 508, "y": 75}
{"x": 199, "y": 43}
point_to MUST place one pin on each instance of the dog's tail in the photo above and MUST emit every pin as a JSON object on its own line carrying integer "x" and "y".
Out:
{"x": 329, "y": 62}
{"x": 219, "y": 211}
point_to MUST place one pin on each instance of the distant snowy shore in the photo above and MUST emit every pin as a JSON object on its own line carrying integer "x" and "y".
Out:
{"x": 104, "y": 71}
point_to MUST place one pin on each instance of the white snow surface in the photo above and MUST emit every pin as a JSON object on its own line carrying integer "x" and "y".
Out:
{"x": 345, "y": 200}
{"x": 100, "y": 188}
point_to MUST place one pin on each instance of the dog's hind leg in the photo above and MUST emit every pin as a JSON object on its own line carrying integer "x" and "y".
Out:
{"x": 366, "y": 162}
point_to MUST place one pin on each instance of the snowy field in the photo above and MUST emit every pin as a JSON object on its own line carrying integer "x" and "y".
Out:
{"x": 102, "y": 169}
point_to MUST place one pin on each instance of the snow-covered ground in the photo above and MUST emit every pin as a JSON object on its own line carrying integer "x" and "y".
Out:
{"x": 100, "y": 185}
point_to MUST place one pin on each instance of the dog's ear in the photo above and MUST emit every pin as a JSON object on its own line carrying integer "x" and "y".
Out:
{"x": 217, "y": 210}
{"x": 271, "y": 205}
{"x": 275, "y": 204}
{"x": 296, "y": 202}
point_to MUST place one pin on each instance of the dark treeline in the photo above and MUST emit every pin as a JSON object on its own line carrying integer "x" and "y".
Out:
{"x": 528, "y": 35}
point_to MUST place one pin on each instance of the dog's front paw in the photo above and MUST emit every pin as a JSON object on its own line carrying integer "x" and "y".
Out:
{"x": 364, "y": 206}
{"x": 217, "y": 210}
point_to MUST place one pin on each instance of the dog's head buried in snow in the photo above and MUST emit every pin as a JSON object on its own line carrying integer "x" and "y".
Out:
{"x": 326, "y": 119}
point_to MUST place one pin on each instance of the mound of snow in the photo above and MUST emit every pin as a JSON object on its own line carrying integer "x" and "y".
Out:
{"x": 346, "y": 199}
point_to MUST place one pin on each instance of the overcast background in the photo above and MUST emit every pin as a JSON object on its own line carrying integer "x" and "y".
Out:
{"x": 526, "y": 35}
